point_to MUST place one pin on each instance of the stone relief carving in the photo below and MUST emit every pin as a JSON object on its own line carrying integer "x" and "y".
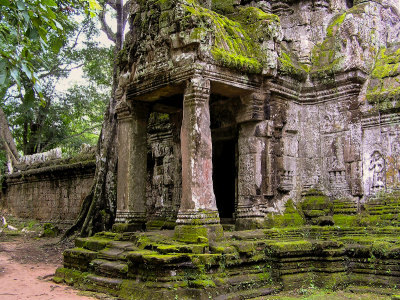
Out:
{"x": 377, "y": 166}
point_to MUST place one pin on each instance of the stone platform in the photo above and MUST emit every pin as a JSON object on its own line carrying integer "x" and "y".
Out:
{"x": 245, "y": 265}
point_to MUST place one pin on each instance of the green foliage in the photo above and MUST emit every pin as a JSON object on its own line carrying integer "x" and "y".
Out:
{"x": 49, "y": 120}
{"x": 3, "y": 161}
{"x": 25, "y": 27}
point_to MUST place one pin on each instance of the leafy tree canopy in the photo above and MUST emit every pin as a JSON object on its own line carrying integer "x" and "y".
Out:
{"x": 24, "y": 23}
{"x": 42, "y": 41}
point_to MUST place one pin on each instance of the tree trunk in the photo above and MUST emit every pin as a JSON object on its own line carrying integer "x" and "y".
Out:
{"x": 99, "y": 207}
{"x": 7, "y": 142}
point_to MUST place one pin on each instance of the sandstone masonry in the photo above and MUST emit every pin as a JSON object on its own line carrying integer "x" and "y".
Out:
{"x": 262, "y": 101}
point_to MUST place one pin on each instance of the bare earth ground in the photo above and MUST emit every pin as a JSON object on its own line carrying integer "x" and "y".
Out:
{"x": 27, "y": 265}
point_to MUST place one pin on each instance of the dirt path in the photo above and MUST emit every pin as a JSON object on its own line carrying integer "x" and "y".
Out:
{"x": 26, "y": 268}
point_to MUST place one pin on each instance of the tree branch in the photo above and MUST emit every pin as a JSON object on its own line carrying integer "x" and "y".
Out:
{"x": 112, "y": 3}
{"x": 56, "y": 69}
{"x": 126, "y": 8}
{"x": 104, "y": 27}
{"x": 76, "y": 39}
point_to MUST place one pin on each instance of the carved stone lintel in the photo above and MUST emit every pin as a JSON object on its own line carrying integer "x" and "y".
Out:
{"x": 252, "y": 108}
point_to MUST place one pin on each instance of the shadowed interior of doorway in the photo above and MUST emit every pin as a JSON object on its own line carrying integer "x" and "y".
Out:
{"x": 224, "y": 178}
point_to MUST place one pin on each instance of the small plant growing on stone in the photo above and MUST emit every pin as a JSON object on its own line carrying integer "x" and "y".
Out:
{"x": 50, "y": 230}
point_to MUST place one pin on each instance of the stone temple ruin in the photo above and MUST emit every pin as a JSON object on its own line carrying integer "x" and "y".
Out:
{"x": 277, "y": 117}
{"x": 252, "y": 103}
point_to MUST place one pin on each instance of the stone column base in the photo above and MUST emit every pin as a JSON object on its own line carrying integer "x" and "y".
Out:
{"x": 199, "y": 234}
{"x": 130, "y": 217}
{"x": 249, "y": 223}
{"x": 127, "y": 221}
{"x": 249, "y": 217}
{"x": 197, "y": 217}
{"x": 160, "y": 223}
{"x": 198, "y": 227}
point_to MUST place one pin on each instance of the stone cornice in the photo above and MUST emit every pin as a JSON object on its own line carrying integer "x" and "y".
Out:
{"x": 143, "y": 87}
{"x": 345, "y": 85}
{"x": 171, "y": 81}
{"x": 375, "y": 120}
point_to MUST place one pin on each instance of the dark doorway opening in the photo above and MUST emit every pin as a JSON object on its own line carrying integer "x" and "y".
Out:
{"x": 224, "y": 178}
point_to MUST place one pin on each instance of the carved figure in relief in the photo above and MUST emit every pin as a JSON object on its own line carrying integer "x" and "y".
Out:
{"x": 396, "y": 161}
{"x": 377, "y": 165}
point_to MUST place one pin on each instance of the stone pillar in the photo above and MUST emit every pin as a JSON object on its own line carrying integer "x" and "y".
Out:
{"x": 250, "y": 178}
{"x": 198, "y": 213}
{"x": 132, "y": 164}
{"x": 253, "y": 151}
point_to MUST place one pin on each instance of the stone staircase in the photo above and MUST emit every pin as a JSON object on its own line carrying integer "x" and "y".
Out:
{"x": 245, "y": 265}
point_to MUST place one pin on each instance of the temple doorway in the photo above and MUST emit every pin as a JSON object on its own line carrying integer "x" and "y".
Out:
{"x": 225, "y": 178}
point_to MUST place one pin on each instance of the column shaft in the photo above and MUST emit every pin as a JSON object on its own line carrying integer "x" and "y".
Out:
{"x": 198, "y": 200}
{"x": 132, "y": 165}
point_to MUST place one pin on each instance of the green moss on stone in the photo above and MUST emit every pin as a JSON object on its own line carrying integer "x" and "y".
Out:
{"x": 93, "y": 243}
{"x": 326, "y": 57}
{"x": 238, "y": 40}
{"x": 202, "y": 283}
{"x": 191, "y": 233}
{"x": 50, "y": 230}
{"x": 224, "y": 6}
{"x": 345, "y": 220}
{"x": 291, "y": 217}
{"x": 335, "y": 23}
{"x": 384, "y": 88}
{"x": 289, "y": 65}
{"x": 70, "y": 276}
{"x": 283, "y": 248}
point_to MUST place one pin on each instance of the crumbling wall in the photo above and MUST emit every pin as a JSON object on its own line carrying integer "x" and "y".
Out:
{"x": 50, "y": 191}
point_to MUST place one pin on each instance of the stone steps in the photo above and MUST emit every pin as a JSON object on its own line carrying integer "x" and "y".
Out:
{"x": 117, "y": 269}
{"x": 249, "y": 294}
{"x": 245, "y": 265}
{"x": 92, "y": 243}
{"x": 78, "y": 258}
{"x": 103, "y": 284}
{"x": 173, "y": 249}
{"x": 127, "y": 246}
{"x": 112, "y": 254}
